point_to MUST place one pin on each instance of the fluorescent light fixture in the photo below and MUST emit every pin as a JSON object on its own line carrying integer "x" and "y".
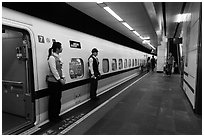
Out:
{"x": 99, "y": 2}
{"x": 145, "y": 41}
{"x": 182, "y": 17}
{"x": 146, "y": 38}
{"x": 128, "y": 26}
{"x": 112, "y": 13}
{"x": 148, "y": 42}
{"x": 141, "y": 37}
{"x": 151, "y": 45}
{"x": 136, "y": 33}
{"x": 109, "y": 10}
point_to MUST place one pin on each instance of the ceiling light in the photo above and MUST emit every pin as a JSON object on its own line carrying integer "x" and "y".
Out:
{"x": 136, "y": 33}
{"x": 148, "y": 42}
{"x": 145, "y": 41}
{"x": 182, "y": 17}
{"x": 109, "y": 10}
{"x": 151, "y": 45}
{"x": 112, "y": 13}
{"x": 141, "y": 37}
{"x": 146, "y": 38}
{"x": 128, "y": 26}
{"x": 99, "y": 2}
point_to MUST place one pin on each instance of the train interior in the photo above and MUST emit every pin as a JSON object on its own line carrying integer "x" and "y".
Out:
{"x": 16, "y": 97}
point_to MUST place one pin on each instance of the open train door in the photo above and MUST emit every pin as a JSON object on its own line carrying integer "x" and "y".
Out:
{"x": 17, "y": 75}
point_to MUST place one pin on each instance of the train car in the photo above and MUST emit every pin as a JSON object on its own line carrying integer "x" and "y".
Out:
{"x": 25, "y": 44}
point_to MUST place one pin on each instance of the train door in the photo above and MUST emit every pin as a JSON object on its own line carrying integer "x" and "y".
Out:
{"x": 17, "y": 106}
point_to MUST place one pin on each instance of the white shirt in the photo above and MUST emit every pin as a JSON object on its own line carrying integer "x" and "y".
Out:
{"x": 91, "y": 64}
{"x": 52, "y": 65}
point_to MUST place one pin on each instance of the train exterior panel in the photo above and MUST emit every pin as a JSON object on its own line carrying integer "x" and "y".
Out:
{"x": 117, "y": 63}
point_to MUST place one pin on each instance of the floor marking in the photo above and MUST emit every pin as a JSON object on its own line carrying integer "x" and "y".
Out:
{"x": 126, "y": 79}
{"x": 94, "y": 110}
{"x": 30, "y": 131}
{"x": 119, "y": 83}
{"x": 37, "y": 127}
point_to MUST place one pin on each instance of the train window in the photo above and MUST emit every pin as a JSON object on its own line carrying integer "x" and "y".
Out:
{"x": 120, "y": 64}
{"x": 129, "y": 63}
{"x": 138, "y": 62}
{"x": 125, "y": 63}
{"x": 114, "y": 64}
{"x": 133, "y": 63}
{"x": 76, "y": 68}
{"x": 105, "y": 65}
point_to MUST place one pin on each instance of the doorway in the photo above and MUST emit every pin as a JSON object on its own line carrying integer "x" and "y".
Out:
{"x": 17, "y": 77}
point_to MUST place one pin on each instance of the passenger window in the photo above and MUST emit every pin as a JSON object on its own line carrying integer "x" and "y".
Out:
{"x": 120, "y": 64}
{"x": 133, "y": 63}
{"x": 114, "y": 64}
{"x": 129, "y": 63}
{"x": 125, "y": 63}
{"x": 105, "y": 65}
{"x": 76, "y": 68}
{"x": 138, "y": 62}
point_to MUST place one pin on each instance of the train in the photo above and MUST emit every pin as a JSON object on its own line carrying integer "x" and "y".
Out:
{"x": 25, "y": 43}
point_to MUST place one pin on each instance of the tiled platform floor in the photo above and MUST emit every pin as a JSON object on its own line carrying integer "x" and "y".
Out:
{"x": 155, "y": 105}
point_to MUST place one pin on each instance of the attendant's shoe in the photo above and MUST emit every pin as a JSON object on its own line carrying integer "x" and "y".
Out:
{"x": 95, "y": 99}
{"x": 56, "y": 119}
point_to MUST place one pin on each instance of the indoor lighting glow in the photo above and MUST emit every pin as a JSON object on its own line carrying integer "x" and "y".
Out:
{"x": 151, "y": 45}
{"x": 145, "y": 41}
{"x": 136, "y": 33}
{"x": 99, "y": 2}
{"x": 128, "y": 26}
{"x": 113, "y": 13}
{"x": 182, "y": 17}
{"x": 145, "y": 38}
{"x": 148, "y": 42}
{"x": 141, "y": 37}
{"x": 109, "y": 10}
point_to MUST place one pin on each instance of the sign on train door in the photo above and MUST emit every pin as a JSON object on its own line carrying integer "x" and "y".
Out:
{"x": 16, "y": 73}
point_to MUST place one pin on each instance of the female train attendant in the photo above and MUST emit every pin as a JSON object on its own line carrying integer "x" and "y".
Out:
{"x": 55, "y": 81}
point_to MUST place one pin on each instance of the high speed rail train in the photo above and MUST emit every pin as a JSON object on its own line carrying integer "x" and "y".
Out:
{"x": 25, "y": 44}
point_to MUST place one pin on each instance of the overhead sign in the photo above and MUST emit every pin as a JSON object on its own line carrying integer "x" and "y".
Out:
{"x": 75, "y": 44}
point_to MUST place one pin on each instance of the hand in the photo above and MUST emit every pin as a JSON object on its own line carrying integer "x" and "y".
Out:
{"x": 62, "y": 81}
{"x": 92, "y": 76}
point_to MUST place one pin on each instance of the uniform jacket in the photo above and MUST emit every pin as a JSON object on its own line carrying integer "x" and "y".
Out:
{"x": 93, "y": 65}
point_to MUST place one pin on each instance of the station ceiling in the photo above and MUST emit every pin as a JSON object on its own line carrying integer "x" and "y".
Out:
{"x": 149, "y": 19}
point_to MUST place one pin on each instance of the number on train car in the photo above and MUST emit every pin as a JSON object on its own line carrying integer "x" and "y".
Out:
{"x": 41, "y": 39}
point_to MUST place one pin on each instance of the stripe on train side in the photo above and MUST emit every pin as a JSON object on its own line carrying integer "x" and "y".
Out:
{"x": 44, "y": 92}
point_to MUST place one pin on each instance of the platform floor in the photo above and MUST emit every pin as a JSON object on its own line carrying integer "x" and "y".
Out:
{"x": 155, "y": 105}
